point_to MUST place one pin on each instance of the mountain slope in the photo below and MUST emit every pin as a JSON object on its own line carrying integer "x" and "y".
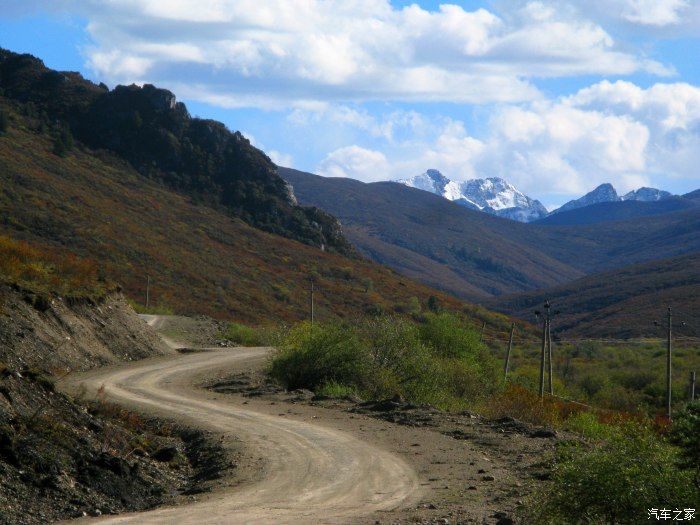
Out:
{"x": 603, "y": 193}
{"x": 616, "y": 211}
{"x": 493, "y": 195}
{"x": 645, "y": 194}
{"x": 199, "y": 259}
{"x": 148, "y": 128}
{"x": 469, "y": 250}
{"x": 623, "y": 302}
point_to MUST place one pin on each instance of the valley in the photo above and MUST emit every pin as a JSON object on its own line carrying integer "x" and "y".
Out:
{"x": 191, "y": 333}
{"x": 483, "y": 258}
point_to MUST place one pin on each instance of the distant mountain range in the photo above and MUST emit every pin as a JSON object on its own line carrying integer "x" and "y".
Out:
{"x": 606, "y": 193}
{"x": 498, "y": 197}
{"x": 493, "y": 195}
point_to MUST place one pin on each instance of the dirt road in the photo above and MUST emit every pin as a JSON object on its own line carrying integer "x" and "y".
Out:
{"x": 310, "y": 473}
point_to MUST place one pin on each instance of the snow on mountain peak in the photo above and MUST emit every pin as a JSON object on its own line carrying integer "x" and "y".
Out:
{"x": 492, "y": 195}
{"x": 606, "y": 193}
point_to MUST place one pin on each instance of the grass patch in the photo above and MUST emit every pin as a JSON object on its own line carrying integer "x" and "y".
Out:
{"x": 159, "y": 309}
{"x": 335, "y": 390}
{"x": 243, "y": 335}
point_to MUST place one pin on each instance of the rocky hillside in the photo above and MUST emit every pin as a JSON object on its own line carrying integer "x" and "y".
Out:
{"x": 200, "y": 260}
{"x": 60, "y": 458}
{"x": 156, "y": 135}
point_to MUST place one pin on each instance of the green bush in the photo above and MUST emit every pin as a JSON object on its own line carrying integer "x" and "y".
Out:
{"x": 448, "y": 337}
{"x": 243, "y": 335}
{"x": 685, "y": 433}
{"x": 616, "y": 481}
{"x": 438, "y": 361}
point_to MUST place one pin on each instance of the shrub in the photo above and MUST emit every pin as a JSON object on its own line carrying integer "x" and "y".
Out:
{"x": 243, "y": 335}
{"x": 388, "y": 356}
{"x": 685, "y": 432}
{"x": 521, "y": 403}
{"x": 448, "y": 337}
{"x": 614, "y": 482}
{"x": 314, "y": 355}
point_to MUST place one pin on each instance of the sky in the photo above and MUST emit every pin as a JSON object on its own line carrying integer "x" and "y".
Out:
{"x": 556, "y": 97}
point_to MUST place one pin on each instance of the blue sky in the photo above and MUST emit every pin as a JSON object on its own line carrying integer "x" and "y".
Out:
{"x": 555, "y": 97}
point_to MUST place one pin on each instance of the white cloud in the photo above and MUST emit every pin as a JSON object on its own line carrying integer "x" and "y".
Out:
{"x": 608, "y": 132}
{"x": 355, "y": 162}
{"x": 670, "y": 18}
{"x": 285, "y": 53}
{"x": 653, "y": 12}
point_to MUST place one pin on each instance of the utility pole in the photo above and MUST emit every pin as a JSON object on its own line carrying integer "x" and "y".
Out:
{"x": 691, "y": 392}
{"x": 668, "y": 367}
{"x": 311, "y": 301}
{"x": 148, "y": 289}
{"x": 510, "y": 347}
{"x": 549, "y": 355}
{"x": 545, "y": 327}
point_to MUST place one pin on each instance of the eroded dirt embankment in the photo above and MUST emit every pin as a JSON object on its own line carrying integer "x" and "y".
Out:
{"x": 59, "y": 458}
{"x": 58, "y": 335}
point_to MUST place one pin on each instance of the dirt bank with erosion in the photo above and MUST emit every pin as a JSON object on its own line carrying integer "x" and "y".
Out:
{"x": 59, "y": 458}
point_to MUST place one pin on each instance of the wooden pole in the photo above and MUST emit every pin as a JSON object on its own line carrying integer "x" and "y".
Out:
{"x": 691, "y": 393}
{"x": 148, "y": 290}
{"x": 311, "y": 301}
{"x": 668, "y": 367}
{"x": 549, "y": 356}
{"x": 483, "y": 327}
{"x": 510, "y": 347}
{"x": 542, "y": 356}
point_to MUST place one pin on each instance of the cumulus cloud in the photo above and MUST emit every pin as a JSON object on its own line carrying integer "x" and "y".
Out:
{"x": 356, "y": 162}
{"x": 608, "y": 132}
{"x": 282, "y": 53}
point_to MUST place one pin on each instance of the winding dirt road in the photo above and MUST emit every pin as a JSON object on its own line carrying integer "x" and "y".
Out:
{"x": 312, "y": 473}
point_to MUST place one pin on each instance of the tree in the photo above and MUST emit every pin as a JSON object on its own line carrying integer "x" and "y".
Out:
{"x": 63, "y": 143}
{"x": 4, "y": 122}
{"x": 433, "y": 304}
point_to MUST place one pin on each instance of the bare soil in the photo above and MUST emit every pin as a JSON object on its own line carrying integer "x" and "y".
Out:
{"x": 470, "y": 469}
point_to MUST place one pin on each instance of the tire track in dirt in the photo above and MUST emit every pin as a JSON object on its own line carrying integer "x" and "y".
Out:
{"x": 313, "y": 474}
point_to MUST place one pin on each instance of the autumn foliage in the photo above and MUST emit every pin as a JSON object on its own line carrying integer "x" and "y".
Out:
{"x": 43, "y": 270}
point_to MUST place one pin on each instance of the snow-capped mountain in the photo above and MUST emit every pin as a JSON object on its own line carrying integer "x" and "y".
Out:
{"x": 493, "y": 195}
{"x": 606, "y": 193}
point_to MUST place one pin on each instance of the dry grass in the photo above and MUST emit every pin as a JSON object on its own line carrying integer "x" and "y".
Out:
{"x": 44, "y": 270}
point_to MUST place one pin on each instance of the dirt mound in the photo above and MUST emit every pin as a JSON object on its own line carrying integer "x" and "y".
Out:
{"x": 62, "y": 336}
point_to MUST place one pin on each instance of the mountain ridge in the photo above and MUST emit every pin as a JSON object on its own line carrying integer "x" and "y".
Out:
{"x": 478, "y": 256}
{"x": 152, "y": 131}
{"x": 492, "y": 195}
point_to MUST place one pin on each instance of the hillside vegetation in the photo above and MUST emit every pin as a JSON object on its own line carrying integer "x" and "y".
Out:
{"x": 624, "y": 301}
{"x": 43, "y": 272}
{"x": 481, "y": 258}
{"x": 199, "y": 258}
{"x": 155, "y": 134}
